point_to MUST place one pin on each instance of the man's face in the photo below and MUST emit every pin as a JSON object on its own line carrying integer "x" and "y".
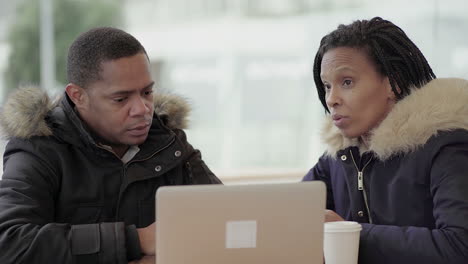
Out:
{"x": 119, "y": 107}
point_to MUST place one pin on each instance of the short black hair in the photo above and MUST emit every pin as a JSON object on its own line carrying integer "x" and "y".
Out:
{"x": 95, "y": 46}
{"x": 387, "y": 45}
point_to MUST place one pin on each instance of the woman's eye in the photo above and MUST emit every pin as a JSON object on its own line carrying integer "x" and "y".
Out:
{"x": 347, "y": 82}
{"x": 327, "y": 87}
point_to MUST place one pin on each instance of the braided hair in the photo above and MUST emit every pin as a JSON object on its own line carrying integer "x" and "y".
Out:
{"x": 393, "y": 53}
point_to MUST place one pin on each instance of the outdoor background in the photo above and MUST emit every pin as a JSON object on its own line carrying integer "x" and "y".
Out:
{"x": 245, "y": 65}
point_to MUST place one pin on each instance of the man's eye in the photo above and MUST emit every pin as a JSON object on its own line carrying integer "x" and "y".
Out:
{"x": 148, "y": 92}
{"x": 119, "y": 100}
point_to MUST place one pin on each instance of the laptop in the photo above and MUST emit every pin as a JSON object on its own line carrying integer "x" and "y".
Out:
{"x": 232, "y": 224}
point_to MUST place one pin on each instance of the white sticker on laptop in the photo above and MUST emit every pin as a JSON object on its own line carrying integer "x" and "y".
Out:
{"x": 241, "y": 234}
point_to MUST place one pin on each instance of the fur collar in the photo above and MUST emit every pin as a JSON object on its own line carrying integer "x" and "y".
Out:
{"x": 441, "y": 105}
{"x": 24, "y": 113}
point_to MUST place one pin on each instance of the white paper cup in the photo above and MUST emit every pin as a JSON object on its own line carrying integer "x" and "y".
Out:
{"x": 341, "y": 242}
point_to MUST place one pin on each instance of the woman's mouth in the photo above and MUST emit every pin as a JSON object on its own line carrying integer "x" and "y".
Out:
{"x": 339, "y": 120}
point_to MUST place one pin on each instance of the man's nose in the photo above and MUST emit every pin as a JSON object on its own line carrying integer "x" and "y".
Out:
{"x": 139, "y": 107}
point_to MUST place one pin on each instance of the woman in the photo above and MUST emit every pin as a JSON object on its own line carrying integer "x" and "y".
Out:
{"x": 397, "y": 155}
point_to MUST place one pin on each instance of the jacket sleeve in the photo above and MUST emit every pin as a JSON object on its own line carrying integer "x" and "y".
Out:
{"x": 321, "y": 172}
{"x": 197, "y": 170}
{"x": 28, "y": 233}
{"x": 448, "y": 241}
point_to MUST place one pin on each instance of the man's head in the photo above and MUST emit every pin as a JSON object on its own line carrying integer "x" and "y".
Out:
{"x": 111, "y": 86}
{"x": 95, "y": 46}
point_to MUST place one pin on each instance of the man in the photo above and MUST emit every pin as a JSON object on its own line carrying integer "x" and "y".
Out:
{"x": 80, "y": 175}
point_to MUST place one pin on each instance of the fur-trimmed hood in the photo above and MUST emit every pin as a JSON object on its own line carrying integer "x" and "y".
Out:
{"x": 441, "y": 105}
{"x": 24, "y": 113}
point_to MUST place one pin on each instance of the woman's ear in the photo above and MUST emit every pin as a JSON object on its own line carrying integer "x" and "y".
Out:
{"x": 390, "y": 92}
{"x": 76, "y": 94}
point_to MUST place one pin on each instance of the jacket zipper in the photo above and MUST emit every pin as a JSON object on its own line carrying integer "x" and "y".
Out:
{"x": 125, "y": 168}
{"x": 361, "y": 187}
{"x": 190, "y": 175}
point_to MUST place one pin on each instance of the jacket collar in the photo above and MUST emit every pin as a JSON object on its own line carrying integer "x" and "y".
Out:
{"x": 440, "y": 105}
{"x": 29, "y": 112}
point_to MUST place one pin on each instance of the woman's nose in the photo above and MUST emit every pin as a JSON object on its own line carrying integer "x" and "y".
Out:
{"x": 332, "y": 98}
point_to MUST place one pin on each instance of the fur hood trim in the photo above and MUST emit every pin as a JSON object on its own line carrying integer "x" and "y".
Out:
{"x": 24, "y": 113}
{"x": 440, "y": 105}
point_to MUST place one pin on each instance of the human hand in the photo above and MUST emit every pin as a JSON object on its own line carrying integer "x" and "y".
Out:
{"x": 147, "y": 237}
{"x": 144, "y": 260}
{"x": 331, "y": 216}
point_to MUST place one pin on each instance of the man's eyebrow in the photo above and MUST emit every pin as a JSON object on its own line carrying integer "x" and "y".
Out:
{"x": 125, "y": 92}
{"x": 120, "y": 93}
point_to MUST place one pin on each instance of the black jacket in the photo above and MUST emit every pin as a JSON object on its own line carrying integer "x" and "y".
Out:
{"x": 65, "y": 199}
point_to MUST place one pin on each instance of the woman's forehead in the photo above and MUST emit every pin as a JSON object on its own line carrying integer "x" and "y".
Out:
{"x": 344, "y": 59}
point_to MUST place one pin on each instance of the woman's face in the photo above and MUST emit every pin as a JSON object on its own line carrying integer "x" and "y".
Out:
{"x": 357, "y": 95}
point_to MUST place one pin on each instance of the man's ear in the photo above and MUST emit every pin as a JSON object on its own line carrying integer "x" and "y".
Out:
{"x": 77, "y": 94}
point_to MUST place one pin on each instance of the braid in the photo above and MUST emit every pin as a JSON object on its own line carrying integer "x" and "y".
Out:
{"x": 393, "y": 53}
{"x": 397, "y": 61}
{"x": 393, "y": 77}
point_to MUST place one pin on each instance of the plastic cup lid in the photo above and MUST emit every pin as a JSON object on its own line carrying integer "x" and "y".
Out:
{"x": 342, "y": 226}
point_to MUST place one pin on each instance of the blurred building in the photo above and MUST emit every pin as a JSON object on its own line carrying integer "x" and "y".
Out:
{"x": 7, "y": 14}
{"x": 246, "y": 66}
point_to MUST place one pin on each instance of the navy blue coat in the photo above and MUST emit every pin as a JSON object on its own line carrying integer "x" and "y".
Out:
{"x": 409, "y": 188}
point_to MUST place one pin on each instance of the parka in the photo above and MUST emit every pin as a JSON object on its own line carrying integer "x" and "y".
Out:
{"x": 409, "y": 187}
{"x": 64, "y": 198}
